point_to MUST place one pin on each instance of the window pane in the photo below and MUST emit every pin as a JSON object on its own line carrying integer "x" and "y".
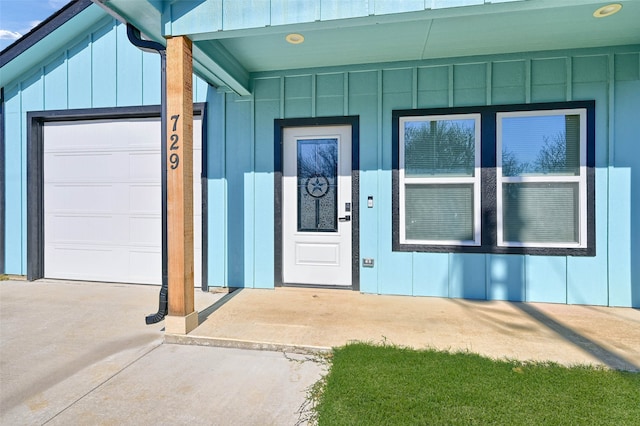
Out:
{"x": 540, "y": 212}
{"x": 541, "y": 145}
{"x": 439, "y": 212}
{"x": 439, "y": 147}
{"x": 317, "y": 185}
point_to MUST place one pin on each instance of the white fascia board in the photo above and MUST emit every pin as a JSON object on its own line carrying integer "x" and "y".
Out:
{"x": 223, "y": 70}
{"x": 145, "y": 17}
{"x": 62, "y": 36}
{"x": 224, "y": 67}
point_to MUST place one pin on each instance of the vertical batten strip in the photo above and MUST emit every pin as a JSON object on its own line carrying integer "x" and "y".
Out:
{"x": 23, "y": 193}
{"x": 379, "y": 214}
{"x": 527, "y": 81}
{"x": 91, "y": 71}
{"x": 282, "y": 96}
{"x": 450, "y": 82}
{"x": 345, "y": 93}
{"x": 44, "y": 85}
{"x": 489, "y": 81}
{"x": 379, "y": 126}
{"x": 314, "y": 97}
{"x": 253, "y": 182}
{"x": 569, "y": 88}
{"x": 611, "y": 82}
{"x": 225, "y": 189}
{"x": 611, "y": 109}
{"x": 66, "y": 72}
{"x": 414, "y": 88}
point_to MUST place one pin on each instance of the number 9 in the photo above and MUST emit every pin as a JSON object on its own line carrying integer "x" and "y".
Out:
{"x": 174, "y": 159}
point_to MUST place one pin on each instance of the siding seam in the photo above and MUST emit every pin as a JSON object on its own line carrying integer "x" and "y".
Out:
{"x": 426, "y": 37}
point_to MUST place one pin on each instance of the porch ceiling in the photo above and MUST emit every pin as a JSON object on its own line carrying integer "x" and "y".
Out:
{"x": 226, "y": 57}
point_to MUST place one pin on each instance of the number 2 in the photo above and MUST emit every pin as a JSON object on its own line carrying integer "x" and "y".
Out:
{"x": 175, "y": 139}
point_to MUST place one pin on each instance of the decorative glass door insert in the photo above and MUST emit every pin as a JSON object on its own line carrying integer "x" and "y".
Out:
{"x": 317, "y": 185}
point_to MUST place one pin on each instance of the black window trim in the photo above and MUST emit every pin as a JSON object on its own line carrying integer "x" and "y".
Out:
{"x": 488, "y": 180}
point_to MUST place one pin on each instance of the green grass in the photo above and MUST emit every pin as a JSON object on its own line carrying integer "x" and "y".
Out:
{"x": 386, "y": 385}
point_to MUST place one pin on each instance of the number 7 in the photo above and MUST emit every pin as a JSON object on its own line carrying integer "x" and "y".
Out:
{"x": 175, "y": 121}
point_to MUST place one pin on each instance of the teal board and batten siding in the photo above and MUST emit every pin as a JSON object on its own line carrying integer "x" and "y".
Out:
{"x": 102, "y": 69}
{"x": 608, "y": 75}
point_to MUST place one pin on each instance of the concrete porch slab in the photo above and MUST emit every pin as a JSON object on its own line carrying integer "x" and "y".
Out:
{"x": 296, "y": 319}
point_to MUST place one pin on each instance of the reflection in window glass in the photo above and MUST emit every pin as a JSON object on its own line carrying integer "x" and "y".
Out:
{"x": 542, "y": 188}
{"x": 439, "y": 148}
{"x": 440, "y": 195}
{"x": 541, "y": 145}
{"x": 317, "y": 185}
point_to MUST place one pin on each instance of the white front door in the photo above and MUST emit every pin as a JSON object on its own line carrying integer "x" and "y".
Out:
{"x": 316, "y": 210}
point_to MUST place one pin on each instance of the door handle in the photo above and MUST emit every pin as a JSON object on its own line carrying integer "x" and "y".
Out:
{"x": 347, "y": 218}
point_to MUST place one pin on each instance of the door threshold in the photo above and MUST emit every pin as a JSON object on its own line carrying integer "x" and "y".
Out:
{"x": 318, "y": 286}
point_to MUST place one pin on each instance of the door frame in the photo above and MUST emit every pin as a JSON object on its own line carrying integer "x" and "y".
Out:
{"x": 279, "y": 125}
{"x": 35, "y": 175}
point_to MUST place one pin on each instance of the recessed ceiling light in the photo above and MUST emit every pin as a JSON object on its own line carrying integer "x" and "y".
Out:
{"x": 607, "y": 10}
{"x": 294, "y": 38}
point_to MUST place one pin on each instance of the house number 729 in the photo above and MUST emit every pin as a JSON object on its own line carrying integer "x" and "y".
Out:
{"x": 174, "y": 158}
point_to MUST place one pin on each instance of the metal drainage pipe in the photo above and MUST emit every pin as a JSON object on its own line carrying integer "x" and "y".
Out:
{"x": 151, "y": 46}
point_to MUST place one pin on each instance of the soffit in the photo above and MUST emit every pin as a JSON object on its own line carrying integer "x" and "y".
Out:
{"x": 421, "y": 37}
{"x": 227, "y": 56}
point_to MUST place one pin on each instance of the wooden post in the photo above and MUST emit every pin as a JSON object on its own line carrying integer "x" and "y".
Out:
{"x": 182, "y": 316}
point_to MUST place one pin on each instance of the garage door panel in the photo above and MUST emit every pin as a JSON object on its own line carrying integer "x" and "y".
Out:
{"x": 143, "y": 166}
{"x": 145, "y": 199}
{"x": 83, "y": 229}
{"x": 73, "y": 198}
{"x": 107, "y": 134}
{"x": 144, "y": 231}
{"x": 102, "y": 198}
{"x": 84, "y": 167}
{"x": 145, "y": 266}
{"x": 91, "y": 263}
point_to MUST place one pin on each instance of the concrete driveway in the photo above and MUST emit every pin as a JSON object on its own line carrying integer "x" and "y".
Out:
{"x": 80, "y": 353}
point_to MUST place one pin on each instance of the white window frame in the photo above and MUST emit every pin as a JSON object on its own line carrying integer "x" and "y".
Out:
{"x": 581, "y": 179}
{"x": 475, "y": 180}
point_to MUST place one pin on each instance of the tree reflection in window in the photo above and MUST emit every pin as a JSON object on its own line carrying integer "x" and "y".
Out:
{"x": 440, "y": 147}
{"x": 541, "y": 145}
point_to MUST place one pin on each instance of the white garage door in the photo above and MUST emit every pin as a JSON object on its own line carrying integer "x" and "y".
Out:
{"x": 102, "y": 200}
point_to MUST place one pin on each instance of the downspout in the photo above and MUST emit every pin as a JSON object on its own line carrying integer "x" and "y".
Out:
{"x": 151, "y": 46}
